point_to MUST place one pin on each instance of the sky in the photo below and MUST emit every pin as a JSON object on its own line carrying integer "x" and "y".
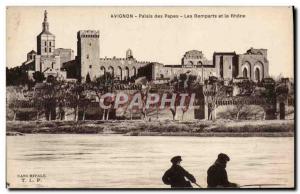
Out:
{"x": 163, "y": 40}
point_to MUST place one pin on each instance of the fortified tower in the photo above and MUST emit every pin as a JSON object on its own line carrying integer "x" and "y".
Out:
{"x": 88, "y": 53}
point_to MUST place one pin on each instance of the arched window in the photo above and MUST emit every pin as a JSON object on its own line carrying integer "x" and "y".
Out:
{"x": 245, "y": 73}
{"x": 134, "y": 71}
{"x": 221, "y": 70}
{"x": 119, "y": 73}
{"x": 110, "y": 70}
{"x": 103, "y": 70}
{"x": 127, "y": 73}
{"x": 258, "y": 71}
{"x": 257, "y": 74}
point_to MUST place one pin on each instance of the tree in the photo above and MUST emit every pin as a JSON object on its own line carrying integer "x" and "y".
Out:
{"x": 38, "y": 102}
{"x": 110, "y": 102}
{"x": 46, "y": 94}
{"x": 246, "y": 87}
{"x": 106, "y": 79}
{"x": 73, "y": 95}
{"x": 16, "y": 99}
{"x": 186, "y": 105}
{"x": 268, "y": 95}
{"x": 13, "y": 101}
{"x": 240, "y": 103}
{"x": 88, "y": 78}
{"x": 38, "y": 76}
{"x": 84, "y": 103}
{"x": 61, "y": 98}
{"x": 173, "y": 109}
{"x": 16, "y": 76}
{"x": 100, "y": 87}
{"x": 213, "y": 93}
{"x": 51, "y": 79}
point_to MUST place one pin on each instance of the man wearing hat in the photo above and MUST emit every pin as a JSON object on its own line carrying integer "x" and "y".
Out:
{"x": 176, "y": 175}
{"x": 217, "y": 175}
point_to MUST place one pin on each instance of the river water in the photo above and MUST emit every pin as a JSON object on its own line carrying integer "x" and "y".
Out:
{"x": 115, "y": 161}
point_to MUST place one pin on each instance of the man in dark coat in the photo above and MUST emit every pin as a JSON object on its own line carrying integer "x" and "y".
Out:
{"x": 217, "y": 175}
{"x": 176, "y": 175}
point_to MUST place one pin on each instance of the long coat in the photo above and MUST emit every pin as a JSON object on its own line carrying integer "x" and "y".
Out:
{"x": 175, "y": 176}
{"x": 217, "y": 176}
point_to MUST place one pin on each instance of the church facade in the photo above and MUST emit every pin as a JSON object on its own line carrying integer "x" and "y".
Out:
{"x": 48, "y": 59}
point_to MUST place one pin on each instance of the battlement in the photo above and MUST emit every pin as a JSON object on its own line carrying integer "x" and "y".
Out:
{"x": 116, "y": 59}
{"x": 145, "y": 62}
{"x": 122, "y": 59}
{"x": 88, "y": 34}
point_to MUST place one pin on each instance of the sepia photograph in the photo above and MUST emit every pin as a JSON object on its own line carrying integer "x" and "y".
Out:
{"x": 145, "y": 97}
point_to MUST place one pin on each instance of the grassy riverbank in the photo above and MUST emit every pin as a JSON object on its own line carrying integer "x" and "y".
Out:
{"x": 157, "y": 128}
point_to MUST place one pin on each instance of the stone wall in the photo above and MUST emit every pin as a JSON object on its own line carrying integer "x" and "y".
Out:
{"x": 254, "y": 65}
{"x": 162, "y": 71}
{"x": 42, "y": 63}
{"x": 65, "y": 55}
{"x": 225, "y": 64}
{"x": 121, "y": 68}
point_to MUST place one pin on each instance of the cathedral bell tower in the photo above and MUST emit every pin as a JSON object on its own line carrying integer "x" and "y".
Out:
{"x": 45, "y": 60}
{"x": 45, "y": 40}
{"x": 45, "y": 23}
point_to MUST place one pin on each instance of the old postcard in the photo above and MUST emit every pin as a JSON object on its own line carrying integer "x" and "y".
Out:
{"x": 150, "y": 97}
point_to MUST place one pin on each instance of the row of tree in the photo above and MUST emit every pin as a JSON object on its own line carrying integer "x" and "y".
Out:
{"x": 52, "y": 94}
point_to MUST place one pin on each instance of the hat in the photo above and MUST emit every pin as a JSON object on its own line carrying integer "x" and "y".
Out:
{"x": 176, "y": 159}
{"x": 223, "y": 157}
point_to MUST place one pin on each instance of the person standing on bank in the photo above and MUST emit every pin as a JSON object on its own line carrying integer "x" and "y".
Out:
{"x": 175, "y": 176}
{"x": 217, "y": 175}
